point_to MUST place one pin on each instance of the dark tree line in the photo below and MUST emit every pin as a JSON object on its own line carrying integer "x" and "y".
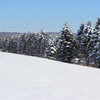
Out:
{"x": 82, "y": 49}
{"x": 88, "y": 43}
{"x": 29, "y": 44}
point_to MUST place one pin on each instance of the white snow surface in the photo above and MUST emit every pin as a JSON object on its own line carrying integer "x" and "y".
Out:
{"x": 32, "y": 78}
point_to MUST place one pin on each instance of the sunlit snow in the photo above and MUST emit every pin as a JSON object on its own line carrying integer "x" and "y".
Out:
{"x": 31, "y": 78}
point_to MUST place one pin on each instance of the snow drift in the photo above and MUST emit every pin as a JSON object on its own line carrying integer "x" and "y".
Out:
{"x": 31, "y": 78}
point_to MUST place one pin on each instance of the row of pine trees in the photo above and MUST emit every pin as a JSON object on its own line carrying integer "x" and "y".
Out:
{"x": 82, "y": 49}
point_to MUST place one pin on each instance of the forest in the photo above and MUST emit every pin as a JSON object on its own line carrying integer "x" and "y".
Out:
{"x": 83, "y": 49}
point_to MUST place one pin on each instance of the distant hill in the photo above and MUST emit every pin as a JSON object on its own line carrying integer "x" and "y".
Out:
{"x": 8, "y": 33}
{"x": 52, "y": 34}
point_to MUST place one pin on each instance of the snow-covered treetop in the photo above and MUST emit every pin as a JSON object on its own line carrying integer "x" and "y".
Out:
{"x": 42, "y": 31}
{"x": 66, "y": 27}
{"x": 98, "y": 24}
{"x": 99, "y": 20}
{"x": 42, "y": 34}
{"x": 89, "y": 23}
{"x": 89, "y": 28}
{"x": 82, "y": 25}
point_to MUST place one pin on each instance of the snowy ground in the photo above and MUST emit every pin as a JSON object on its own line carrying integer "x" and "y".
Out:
{"x": 30, "y": 78}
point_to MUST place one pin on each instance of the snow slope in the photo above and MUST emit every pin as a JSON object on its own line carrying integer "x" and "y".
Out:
{"x": 31, "y": 78}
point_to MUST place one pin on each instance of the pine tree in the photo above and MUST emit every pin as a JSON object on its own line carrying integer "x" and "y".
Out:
{"x": 51, "y": 49}
{"x": 5, "y": 43}
{"x": 97, "y": 27}
{"x": 83, "y": 41}
{"x": 22, "y": 43}
{"x": 31, "y": 45}
{"x": 42, "y": 43}
{"x": 1, "y": 43}
{"x": 65, "y": 45}
{"x": 79, "y": 37}
{"x": 95, "y": 41}
{"x": 97, "y": 48}
{"x": 86, "y": 41}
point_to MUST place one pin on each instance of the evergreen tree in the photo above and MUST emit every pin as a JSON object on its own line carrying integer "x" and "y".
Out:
{"x": 86, "y": 42}
{"x": 95, "y": 41}
{"x": 1, "y": 43}
{"x": 83, "y": 41}
{"x": 5, "y": 43}
{"x": 22, "y": 43}
{"x": 42, "y": 43}
{"x": 97, "y": 27}
{"x": 65, "y": 45}
{"x": 79, "y": 37}
{"x": 13, "y": 44}
{"x": 31, "y": 45}
{"x": 51, "y": 50}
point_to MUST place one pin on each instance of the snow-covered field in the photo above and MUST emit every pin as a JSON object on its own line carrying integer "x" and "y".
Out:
{"x": 31, "y": 78}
